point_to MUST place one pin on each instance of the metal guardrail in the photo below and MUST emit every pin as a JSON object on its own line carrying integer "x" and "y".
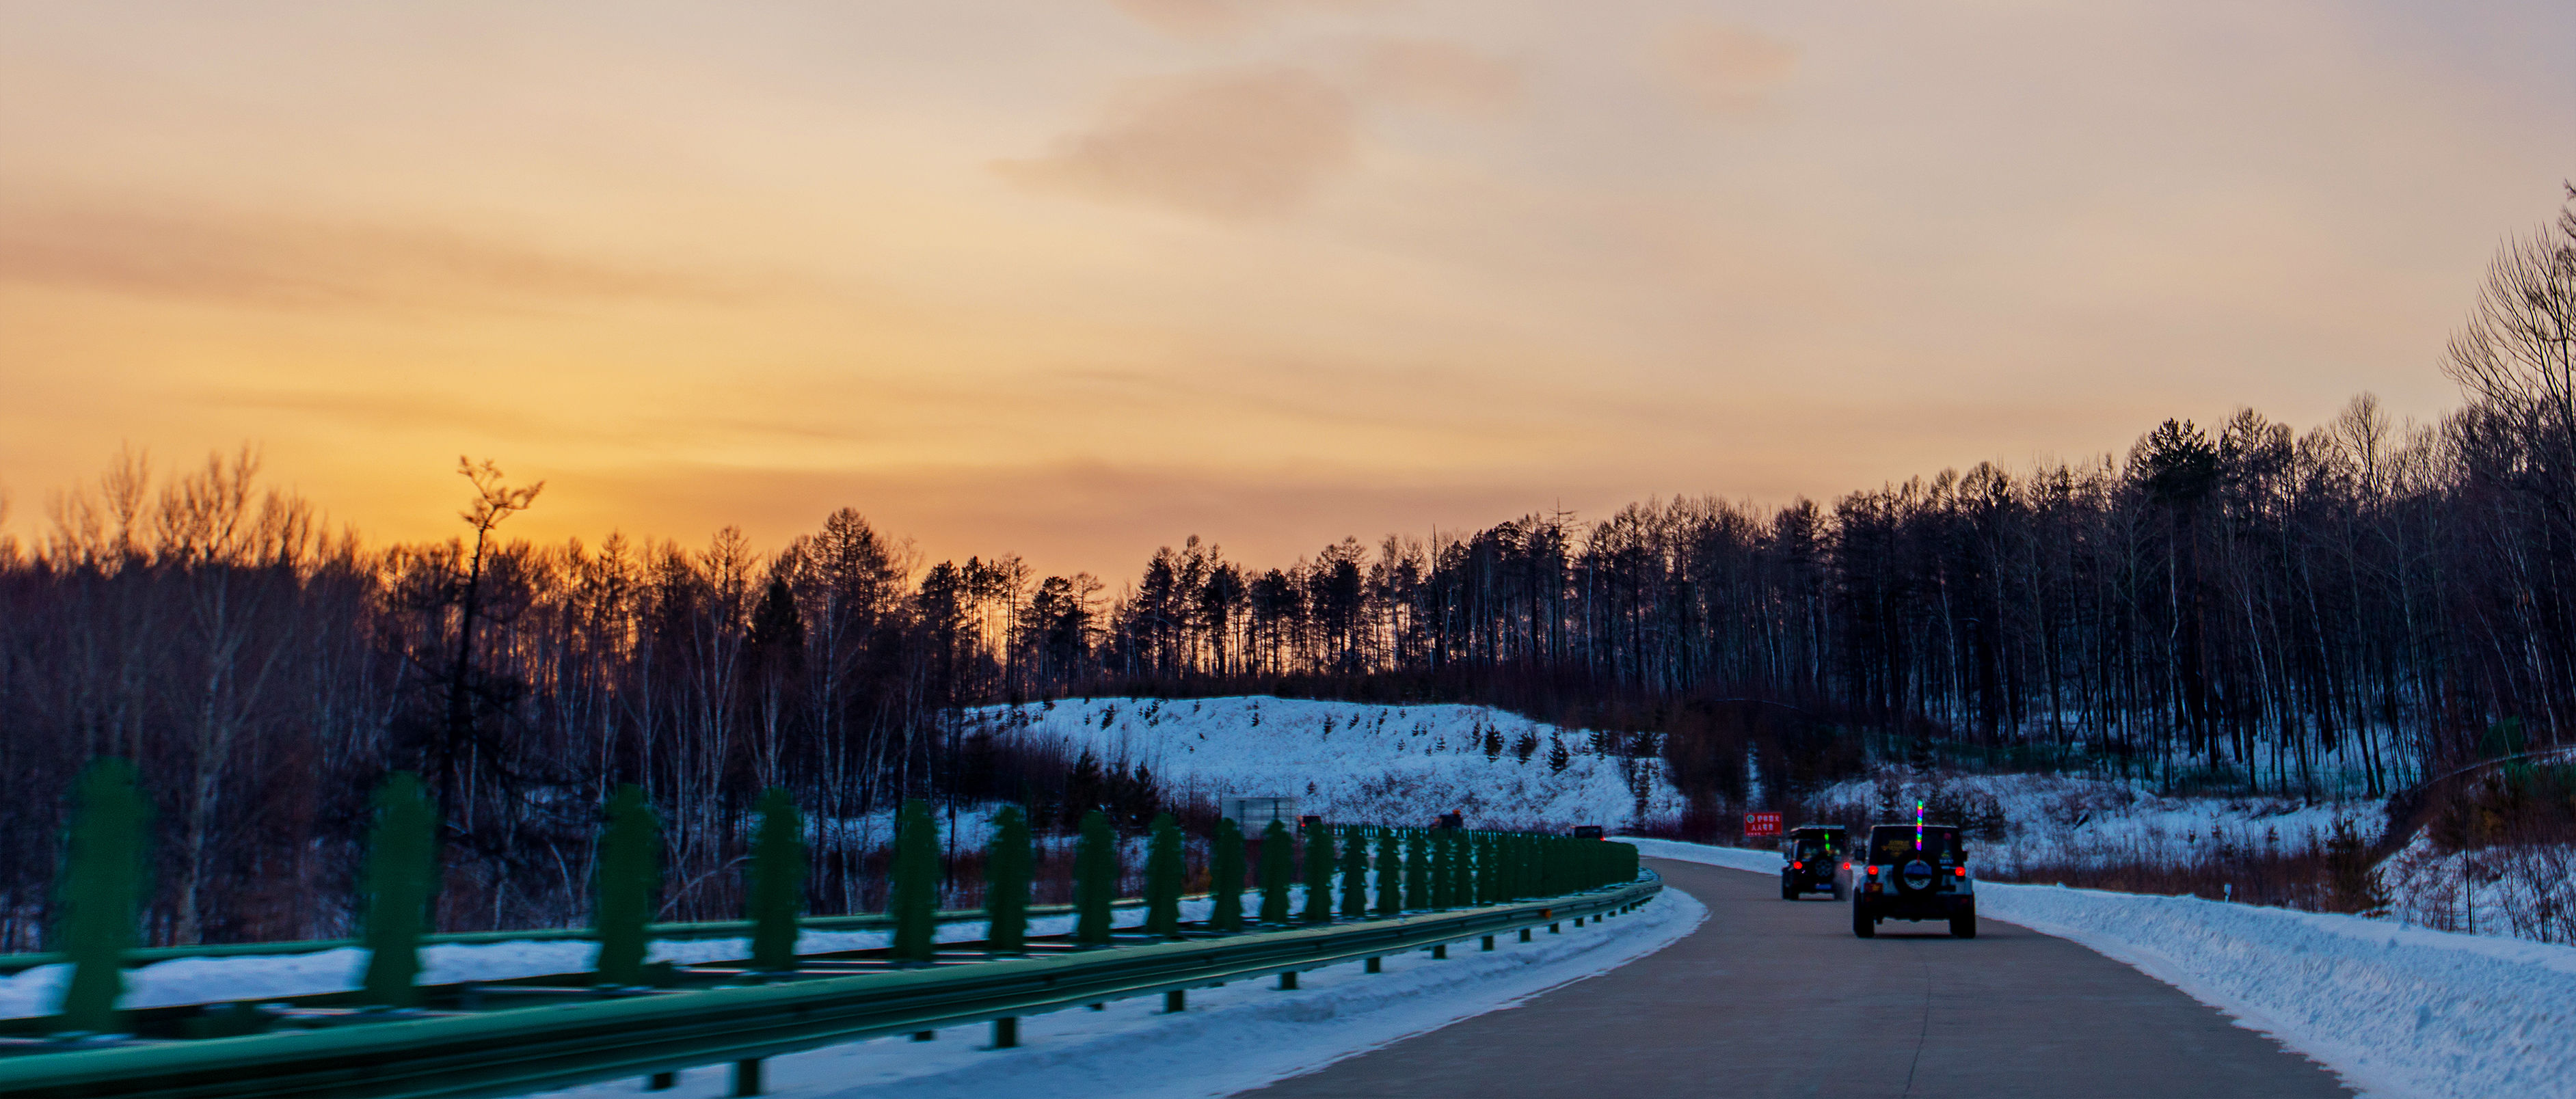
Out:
{"x": 566, "y": 1045}
{"x": 660, "y": 932}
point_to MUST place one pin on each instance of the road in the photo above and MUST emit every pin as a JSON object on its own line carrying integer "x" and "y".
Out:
{"x": 1772, "y": 998}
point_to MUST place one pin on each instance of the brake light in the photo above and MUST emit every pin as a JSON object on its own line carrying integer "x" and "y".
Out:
{"x": 1960, "y": 871}
{"x": 1797, "y": 866}
{"x": 1846, "y": 866}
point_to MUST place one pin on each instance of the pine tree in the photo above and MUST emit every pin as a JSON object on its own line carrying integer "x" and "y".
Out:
{"x": 101, "y": 885}
{"x": 1319, "y": 874}
{"x": 629, "y": 886}
{"x": 1095, "y": 879}
{"x": 915, "y": 902}
{"x": 1225, "y": 877}
{"x": 1390, "y": 875}
{"x": 1165, "y": 869}
{"x": 1277, "y": 872}
{"x": 1008, "y": 866}
{"x": 1354, "y": 875}
{"x": 1417, "y": 871}
{"x": 402, "y": 862}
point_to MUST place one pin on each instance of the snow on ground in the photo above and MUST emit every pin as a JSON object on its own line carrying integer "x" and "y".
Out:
{"x": 2527, "y": 891}
{"x": 2399, "y": 1011}
{"x": 1347, "y": 761}
{"x": 2086, "y": 821}
{"x": 200, "y": 980}
{"x": 1240, "y": 1036}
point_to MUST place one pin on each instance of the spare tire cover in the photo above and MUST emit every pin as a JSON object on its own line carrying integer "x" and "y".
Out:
{"x": 1917, "y": 876}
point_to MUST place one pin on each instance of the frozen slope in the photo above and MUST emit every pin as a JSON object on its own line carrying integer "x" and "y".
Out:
{"x": 1352, "y": 762}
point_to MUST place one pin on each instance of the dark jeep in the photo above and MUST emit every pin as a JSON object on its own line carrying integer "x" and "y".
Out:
{"x": 1915, "y": 872}
{"x": 1811, "y": 859}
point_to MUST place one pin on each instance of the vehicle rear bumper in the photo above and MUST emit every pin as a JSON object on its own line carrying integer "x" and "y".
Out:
{"x": 1933, "y": 906}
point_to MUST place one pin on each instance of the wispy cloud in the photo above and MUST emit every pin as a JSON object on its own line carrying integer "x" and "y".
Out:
{"x": 284, "y": 261}
{"x": 1210, "y": 18}
{"x": 1439, "y": 74}
{"x": 1723, "y": 69}
{"x": 1237, "y": 143}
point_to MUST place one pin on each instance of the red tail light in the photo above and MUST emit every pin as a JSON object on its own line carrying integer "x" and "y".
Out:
{"x": 1797, "y": 866}
{"x": 1960, "y": 871}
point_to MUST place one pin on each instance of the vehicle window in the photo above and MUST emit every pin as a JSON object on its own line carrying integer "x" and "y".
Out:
{"x": 1893, "y": 845}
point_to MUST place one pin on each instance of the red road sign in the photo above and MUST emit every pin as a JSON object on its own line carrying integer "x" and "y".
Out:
{"x": 1761, "y": 824}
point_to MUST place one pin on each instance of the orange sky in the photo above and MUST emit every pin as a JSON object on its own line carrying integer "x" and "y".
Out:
{"x": 1077, "y": 278}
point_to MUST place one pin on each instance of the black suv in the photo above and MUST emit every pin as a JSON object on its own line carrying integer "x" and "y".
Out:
{"x": 1915, "y": 872}
{"x": 1811, "y": 859}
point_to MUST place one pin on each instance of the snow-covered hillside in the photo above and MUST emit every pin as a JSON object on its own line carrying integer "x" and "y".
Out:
{"x": 2062, "y": 820}
{"x": 1389, "y": 764}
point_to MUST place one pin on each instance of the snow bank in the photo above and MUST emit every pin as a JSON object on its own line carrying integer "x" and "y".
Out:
{"x": 1382, "y": 764}
{"x": 201, "y": 980}
{"x": 2398, "y": 1010}
{"x": 2088, "y": 821}
{"x": 1240, "y": 1036}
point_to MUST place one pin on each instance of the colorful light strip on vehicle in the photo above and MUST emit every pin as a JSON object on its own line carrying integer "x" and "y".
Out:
{"x": 1918, "y": 824}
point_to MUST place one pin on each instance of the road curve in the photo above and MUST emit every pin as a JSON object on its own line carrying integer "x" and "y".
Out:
{"x": 1771, "y": 998}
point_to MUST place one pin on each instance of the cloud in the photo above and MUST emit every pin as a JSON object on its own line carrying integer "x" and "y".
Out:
{"x": 1439, "y": 74}
{"x": 1235, "y": 144}
{"x": 284, "y": 261}
{"x": 1211, "y": 18}
{"x": 1725, "y": 70}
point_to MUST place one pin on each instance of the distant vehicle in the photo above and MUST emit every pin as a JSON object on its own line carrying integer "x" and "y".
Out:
{"x": 1589, "y": 832}
{"x": 1450, "y": 820}
{"x": 1310, "y": 820}
{"x": 1812, "y": 860}
{"x": 1915, "y": 872}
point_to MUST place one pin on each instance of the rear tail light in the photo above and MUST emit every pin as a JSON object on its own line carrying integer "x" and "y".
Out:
{"x": 1959, "y": 871}
{"x": 1797, "y": 866}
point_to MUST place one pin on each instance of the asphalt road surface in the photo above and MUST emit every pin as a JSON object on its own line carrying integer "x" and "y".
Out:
{"x": 1773, "y": 998}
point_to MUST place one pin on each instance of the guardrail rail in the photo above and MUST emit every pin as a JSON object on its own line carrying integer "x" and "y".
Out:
{"x": 641, "y": 1033}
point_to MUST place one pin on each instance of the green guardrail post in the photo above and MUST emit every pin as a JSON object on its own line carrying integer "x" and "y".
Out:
{"x": 746, "y": 1077}
{"x": 1319, "y": 874}
{"x": 102, "y": 881}
{"x": 1390, "y": 875}
{"x": 1225, "y": 877}
{"x": 915, "y": 904}
{"x": 1417, "y": 871}
{"x": 1276, "y": 871}
{"x": 402, "y": 861}
{"x": 777, "y": 893}
{"x": 1165, "y": 869}
{"x": 629, "y": 886}
{"x": 1095, "y": 879}
{"x": 1008, "y": 866}
{"x": 1354, "y": 875}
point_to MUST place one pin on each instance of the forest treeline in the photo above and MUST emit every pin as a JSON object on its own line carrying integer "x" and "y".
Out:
{"x": 2341, "y": 608}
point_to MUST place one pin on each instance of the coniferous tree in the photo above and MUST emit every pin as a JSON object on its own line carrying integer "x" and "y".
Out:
{"x": 1278, "y": 871}
{"x": 1095, "y": 879}
{"x": 102, "y": 886}
{"x": 777, "y": 894}
{"x": 1225, "y": 877}
{"x": 1390, "y": 875}
{"x": 915, "y": 899}
{"x": 1164, "y": 870}
{"x": 1319, "y": 874}
{"x": 402, "y": 866}
{"x": 1008, "y": 866}
{"x": 629, "y": 886}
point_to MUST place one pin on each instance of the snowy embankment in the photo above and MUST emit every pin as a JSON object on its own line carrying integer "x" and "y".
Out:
{"x": 1354, "y": 762}
{"x": 1240, "y": 1036}
{"x": 204, "y": 980}
{"x": 2396, "y": 1010}
{"x": 2064, "y": 819}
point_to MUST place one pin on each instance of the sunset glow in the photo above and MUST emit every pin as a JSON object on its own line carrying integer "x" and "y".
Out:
{"x": 1077, "y": 279}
